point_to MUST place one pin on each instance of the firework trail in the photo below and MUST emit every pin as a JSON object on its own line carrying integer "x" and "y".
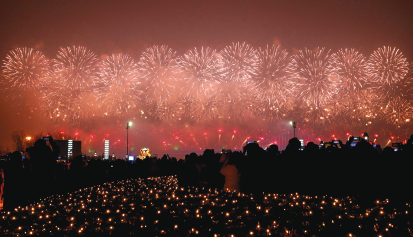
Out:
{"x": 273, "y": 87}
{"x": 76, "y": 68}
{"x": 61, "y": 106}
{"x": 407, "y": 84}
{"x": 315, "y": 115}
{"x": 158, "y": 67}
{"x": 387, "y": 65}
{"x": 120, "y": 76}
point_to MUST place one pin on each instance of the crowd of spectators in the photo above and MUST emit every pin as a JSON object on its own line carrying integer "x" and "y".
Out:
{"x": 40, "y": 175}
{"x": 335, "y": 170}
{"x": 346, "y": 171}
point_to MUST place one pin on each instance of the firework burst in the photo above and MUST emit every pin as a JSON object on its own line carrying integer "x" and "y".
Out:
{"x": 76, "y": 68}
{"x": 350, "y": 68}
{"x": 121, "y": 78}
{"x": 273, "y": 87}
{"x": 201, "y": 73}
{"x": 239, "y": 66}
{"x": 392, "y": 100}
{"x": 236, "y": 84}
{"x": 387, "y": 65}
{"x": 315, "y": 84}
{"x": 158, "y": 67}
{"x": 398, "y": 111}
{"x": 239, "y": 61}
{"x": 25, "y": 69}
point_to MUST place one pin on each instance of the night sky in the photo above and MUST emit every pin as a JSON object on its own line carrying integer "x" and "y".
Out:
{"x": 107, "y": 27}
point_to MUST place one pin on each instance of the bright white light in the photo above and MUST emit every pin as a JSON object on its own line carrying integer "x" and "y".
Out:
{"x": 69, "y": 148}
{"x": 106, "y": 149}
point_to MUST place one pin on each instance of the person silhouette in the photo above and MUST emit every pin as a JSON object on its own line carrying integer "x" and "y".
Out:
{"x": 15, "y": 182}
{"x": 231, "y": 172}
{"x": 43, "y": 161}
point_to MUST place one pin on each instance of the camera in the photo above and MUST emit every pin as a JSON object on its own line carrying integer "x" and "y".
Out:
{"x": 46, "y": 138}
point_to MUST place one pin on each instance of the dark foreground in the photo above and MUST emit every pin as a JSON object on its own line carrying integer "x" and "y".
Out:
{"x": 158, "y": 207}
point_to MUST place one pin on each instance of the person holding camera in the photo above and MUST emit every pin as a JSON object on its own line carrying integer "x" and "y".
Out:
{"x": 230, "y": 171}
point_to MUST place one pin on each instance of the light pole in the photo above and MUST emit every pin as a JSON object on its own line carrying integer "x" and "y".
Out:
{"x": 127, "y": 138}
{"x": 294, "y": 126}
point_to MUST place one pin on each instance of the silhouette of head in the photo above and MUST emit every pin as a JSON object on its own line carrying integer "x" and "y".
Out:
{"x": 388, "y": 151}
{"x": 16, "y": 158}
{"x": 273, "y": 150}
{"x": 40, "y": 143}
{"x": 311, "y": 147}
{"x": 252, "y": 148}
{"x": 293, "y": 144}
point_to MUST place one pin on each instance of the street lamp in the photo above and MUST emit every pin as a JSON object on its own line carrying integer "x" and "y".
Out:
{"x": 127, "y": 138}
{"x": 294, "y": 126}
